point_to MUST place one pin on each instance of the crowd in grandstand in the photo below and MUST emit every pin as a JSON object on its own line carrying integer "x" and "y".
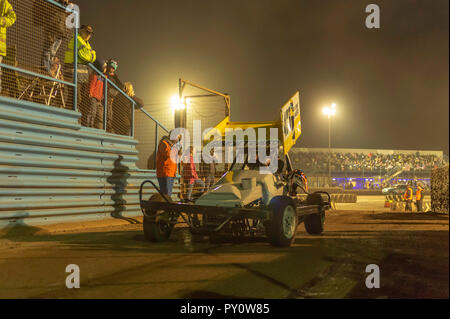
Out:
{"x": 368, "y": 162}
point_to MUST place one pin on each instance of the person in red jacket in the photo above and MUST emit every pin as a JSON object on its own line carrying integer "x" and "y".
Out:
{"x": 96, "y": 83}
{"x": 190, "y": 175}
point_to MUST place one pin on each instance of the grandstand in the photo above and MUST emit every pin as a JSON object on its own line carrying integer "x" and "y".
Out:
{"x": 366, "y": 168}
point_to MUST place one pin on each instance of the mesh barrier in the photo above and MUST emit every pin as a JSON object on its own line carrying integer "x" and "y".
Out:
{"x": 208, "y": 175}
{"x": 34, "y": 70}
{"x": 121, "y": 118}
{"x": 36, "y": 43}
{"x": 210, "y": 110}
{"x": 148, "y": 133}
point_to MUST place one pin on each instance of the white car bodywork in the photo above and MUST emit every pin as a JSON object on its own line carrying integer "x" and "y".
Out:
{"x": 239, "y": 188}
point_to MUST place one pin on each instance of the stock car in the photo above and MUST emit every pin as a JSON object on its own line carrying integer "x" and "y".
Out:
{"x": 244, "y": 202}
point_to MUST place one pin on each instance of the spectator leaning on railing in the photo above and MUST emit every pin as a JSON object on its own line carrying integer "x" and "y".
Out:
{"x": 122, "y": 108}
{"x": 111, "y": 68}
{"x": 129, "y": 89}
{"x": 85, "y": 55}
{"x": 7, "y": 19}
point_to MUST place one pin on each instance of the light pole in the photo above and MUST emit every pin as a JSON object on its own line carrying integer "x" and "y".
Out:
{"x": 329, "y": 112}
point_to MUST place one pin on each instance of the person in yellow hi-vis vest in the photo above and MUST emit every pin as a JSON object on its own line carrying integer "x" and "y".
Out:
{"x": 7, "y": 19}
{"x": 408, "y": 197}
{"x": 85, "y": 55}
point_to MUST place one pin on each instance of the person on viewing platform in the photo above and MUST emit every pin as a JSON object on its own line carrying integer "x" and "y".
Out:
{"x": 7, "y": 19}
{"x": 129, "y": 89}
{"x": 85, "y": 52}
{"x": 111, "y": 68}
{"x": 190, "y": 175}
{"x": 96, "y": 85}
{"x": 85, "y": 55}
{"x": 122, "y": 109}
{"x": 166, "y": 167}
{"x": 53, "y": 21}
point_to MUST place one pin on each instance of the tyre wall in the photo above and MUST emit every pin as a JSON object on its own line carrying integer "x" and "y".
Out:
{"x": 439, "y": 190}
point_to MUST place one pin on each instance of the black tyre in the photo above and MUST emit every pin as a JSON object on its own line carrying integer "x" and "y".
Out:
{"x": 282, "y": 228}
{"x": 314, "y": 223}
{"x": 157, "y": 229}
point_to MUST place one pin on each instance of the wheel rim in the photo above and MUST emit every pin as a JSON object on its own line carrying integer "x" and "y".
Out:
{"x": 289, "y": 222}
{"x": 163, "y": 224}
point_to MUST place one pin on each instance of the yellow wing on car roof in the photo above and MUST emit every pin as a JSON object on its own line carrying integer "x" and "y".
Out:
{"x": 289, "y": 124}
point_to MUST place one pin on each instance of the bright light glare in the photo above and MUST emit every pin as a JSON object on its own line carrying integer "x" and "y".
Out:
{"x": 329, "y": 111}
{"x": 177, "y": 104}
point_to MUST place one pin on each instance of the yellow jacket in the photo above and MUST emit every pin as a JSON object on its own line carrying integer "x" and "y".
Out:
{"x": 85, "y": 52}
{"x": 7, "y": 19}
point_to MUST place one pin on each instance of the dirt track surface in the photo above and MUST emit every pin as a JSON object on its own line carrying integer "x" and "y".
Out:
{"x": 411, "y": 249}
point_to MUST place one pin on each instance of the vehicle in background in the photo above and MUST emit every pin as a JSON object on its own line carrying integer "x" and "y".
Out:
{"x": 397, "y": 189}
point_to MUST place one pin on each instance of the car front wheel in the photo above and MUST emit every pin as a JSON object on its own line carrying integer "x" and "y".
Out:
{"x": 283, "y": 226}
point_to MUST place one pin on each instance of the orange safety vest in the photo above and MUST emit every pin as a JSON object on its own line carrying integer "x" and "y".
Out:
{"x": 419, "y": 194}
{"x": 165, "y": 167}
{"x": 408, "y": 194}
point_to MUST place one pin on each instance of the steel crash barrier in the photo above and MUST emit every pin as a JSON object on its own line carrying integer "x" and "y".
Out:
{"x": 337, "y": 198}
{"x": 53, "y": 167}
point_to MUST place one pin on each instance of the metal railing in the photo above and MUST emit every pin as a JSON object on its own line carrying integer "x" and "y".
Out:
{"x": 34, "y": 70}
{"x": 148, "y": 131}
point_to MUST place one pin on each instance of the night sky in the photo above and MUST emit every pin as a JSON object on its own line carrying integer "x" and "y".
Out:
{"x": 390, "y": 84}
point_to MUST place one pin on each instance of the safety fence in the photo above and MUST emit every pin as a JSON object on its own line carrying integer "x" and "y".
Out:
{"x": 201, "y": 109}
{"x": 148, "y": 132}
{"x": 208, "y": 174}
{"x": 32, "y": 64}
{"x": 205, "y": 108}
{"x": 33, "y": 68}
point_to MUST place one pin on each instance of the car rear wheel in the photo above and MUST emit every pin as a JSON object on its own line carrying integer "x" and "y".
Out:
{"x": 314, "y": 223}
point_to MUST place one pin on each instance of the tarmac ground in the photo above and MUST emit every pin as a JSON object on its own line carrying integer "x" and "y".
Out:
{"x": 115, "y": 260}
